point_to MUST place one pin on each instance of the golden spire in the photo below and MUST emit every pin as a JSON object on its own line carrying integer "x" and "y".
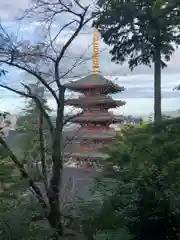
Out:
{"x": 96, "y": 52}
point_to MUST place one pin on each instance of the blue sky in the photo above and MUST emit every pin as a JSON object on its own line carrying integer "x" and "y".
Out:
{"x": 138, "y": 84}
{"x": 138, "y": 93}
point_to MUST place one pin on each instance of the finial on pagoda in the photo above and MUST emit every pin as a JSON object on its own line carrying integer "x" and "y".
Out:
{"x": 96, "y": 52}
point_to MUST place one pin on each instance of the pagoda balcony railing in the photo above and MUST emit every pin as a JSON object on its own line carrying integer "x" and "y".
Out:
{"x": 94, "y": 96}
{"x": 93, "y": 144}
{"x": 94, "y": 148}
{"x": 100, "y": 113}
{"x": 99, "y": 129}
{"x": 95, "y": 110}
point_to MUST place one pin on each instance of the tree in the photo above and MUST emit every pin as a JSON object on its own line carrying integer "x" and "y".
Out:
{"x": 30, "y": 114}
{"x": 29, "y": 126}
{"x": 143, "y": 195}
{"x": 16, "y": 219}
{"x": 141, "y": 32}
{"x": 43, "y": 61}
{"x": 29, "y": 121}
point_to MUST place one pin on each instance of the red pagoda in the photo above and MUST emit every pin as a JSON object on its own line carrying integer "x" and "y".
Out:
{"x": 94, "y": 132}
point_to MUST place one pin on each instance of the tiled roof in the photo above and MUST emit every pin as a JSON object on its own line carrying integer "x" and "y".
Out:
{"x": 101, "y": 99}
{"x": 93, "y": 80}
{"x": 82, "y": 134}
{"x": 98, "y": 117}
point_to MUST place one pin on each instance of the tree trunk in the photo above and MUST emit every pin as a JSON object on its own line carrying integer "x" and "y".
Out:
{"x": 157, "y": 85}
{"x": 57, "y": 159}
{"x": 55, "y": 184}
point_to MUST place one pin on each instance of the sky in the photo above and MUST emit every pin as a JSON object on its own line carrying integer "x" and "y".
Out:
{"x": 138, "y": 84}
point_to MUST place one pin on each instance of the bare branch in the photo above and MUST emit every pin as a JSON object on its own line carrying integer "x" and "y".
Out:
{"x": 68, "y": 119}
{"x": 69, "y": 9}
{"x": 35, "y": 74}
{"x": 80, "y": 5}
{"x": 78, "y": 62}
{"x": 44, "y": 63}
{"x": 74, "y": 35}
{"x": 57, "y": 35}
{"x": 42, "y": 152}
{"x": 51, "y": 127}
{"x": 41, "y": 139}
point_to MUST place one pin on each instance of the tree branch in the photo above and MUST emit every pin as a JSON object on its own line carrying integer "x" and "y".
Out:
{"x": 68, "y": 119}
{"x": 42, "y": 152}
{"x": 67, "y": 44}
{"x": 51, "y": 127}
{"x": 25, "y": 175}
{"x": 41, "y": 139}
{"x": 35, "y": 74}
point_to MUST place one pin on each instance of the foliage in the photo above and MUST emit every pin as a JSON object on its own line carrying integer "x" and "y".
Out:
{"x": 143, "y": 196}
{"x": 28, "y": 127}
{"x": 21, "y": 215}
{"x": 16, "y": 220}
{"x": 17, "y": 207}
{"x": 45, "y": 60}
{"x": 30, "y": 117}
{"x": 141, "y": 32}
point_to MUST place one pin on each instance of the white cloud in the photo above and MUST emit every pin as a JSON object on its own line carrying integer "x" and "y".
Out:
{"x": 144, "y": 106}
{"x": 138, "y": 84}
{"x": 84, "y": 42}
{"x": 11, "y": 8}
{"x": 138, "y": 95}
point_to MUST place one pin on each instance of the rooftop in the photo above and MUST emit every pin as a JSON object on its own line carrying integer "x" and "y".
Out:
{"x": 92, "y": 81}
{"x": 98, "y": 117}
{"x": 99, "y": 99}
{"x": 82, "y": 134}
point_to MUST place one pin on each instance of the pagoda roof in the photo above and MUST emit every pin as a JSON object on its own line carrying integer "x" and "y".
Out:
{"x": 89, "y": 135}
{"x": 98, "y": 117}
{"x": 93, "y": 80}
{"x": 95, "y": 100}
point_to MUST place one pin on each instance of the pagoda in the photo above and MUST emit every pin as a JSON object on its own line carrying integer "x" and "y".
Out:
{"x": 86, "y": 143}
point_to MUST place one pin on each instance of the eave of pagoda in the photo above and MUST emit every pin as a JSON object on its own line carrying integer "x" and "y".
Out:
{"x": 94, "y": 82}
{"x": 97, "y": 117}
{"x": 85, "y": 101}
{"x": 92, "y": 135}
{"x": 98, "y": 88}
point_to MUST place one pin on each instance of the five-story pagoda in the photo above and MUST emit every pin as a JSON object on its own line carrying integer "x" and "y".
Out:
{"x": 95, "y": 131}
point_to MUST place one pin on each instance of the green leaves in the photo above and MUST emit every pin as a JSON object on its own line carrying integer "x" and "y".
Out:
{"x": 29, "y": 125}
{"x": 17, "y": 210}
{"x": 131, "y": 29}
{"x": 143, "y": 195}
{"x": 16, "y": 220}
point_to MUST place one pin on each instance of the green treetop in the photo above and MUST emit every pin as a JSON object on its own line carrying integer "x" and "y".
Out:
{"x": 141, "y": 32}
{"x": 29, "y": 125}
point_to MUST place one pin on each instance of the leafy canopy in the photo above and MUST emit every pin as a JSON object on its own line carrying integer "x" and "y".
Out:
{"x": 135, "y": 28}
{"x": 142, "y": 197}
